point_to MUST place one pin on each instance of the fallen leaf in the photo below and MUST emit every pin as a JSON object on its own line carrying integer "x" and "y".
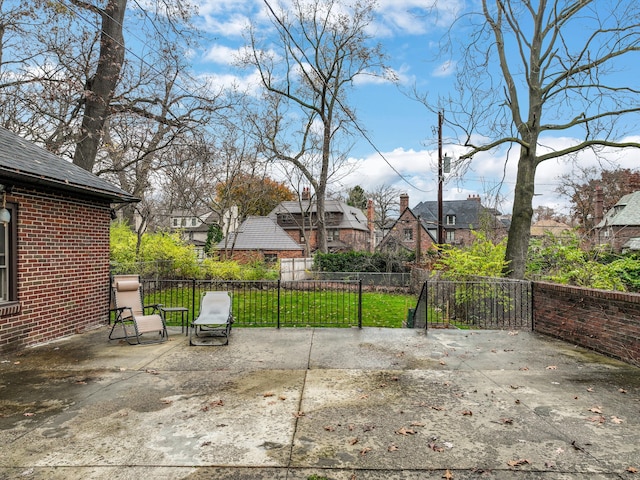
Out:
{"x": 524, "y": 369}
{"x": 298, "y": 414}
{"x": 447, "y": 475}
{"x": 597, "y": 419}
{"x": 590, "y": 389}
{"x": 152, "y": 372}
{"x": 549, "y": 465}
{"x": 518, "y": 463}
{"x": 392, "y": 448}
{"x": 616, "y": 420}
{"x": 506, "y": 421}
{"x": 166, "y": 401}
{"x": 632, "y": 470}
{"x": 435, "y": 447}
{"x": 282, "y": 397}
{"x": 353, "y": 441}
{"x": 595, "y": 409}
{"x": 442, "y": 362}
{"x": 417, "y": 424}
{"x": 365, "y": 450}
{"x": 28, "y": 414}
{"x": 622, "y": 390}
{"x": 513, "y": 332}
{"x": 552, "y": 367}
{"x": 405, "y": 431}
{"x": 268, "y": 394}
{"x": 467, "y": 413}
{"x": 329, "y": 428}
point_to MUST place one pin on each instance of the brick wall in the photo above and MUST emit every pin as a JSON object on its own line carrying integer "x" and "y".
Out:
{"x": 605, "y": 321}
{"x": 63, "y": 268}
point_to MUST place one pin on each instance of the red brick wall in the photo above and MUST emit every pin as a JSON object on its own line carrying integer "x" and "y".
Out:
{"x": 63, "y": 268}
{"x": 605, "y": 321}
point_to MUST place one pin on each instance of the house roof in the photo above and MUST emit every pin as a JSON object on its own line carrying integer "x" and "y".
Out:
{"x": 540, "y": 227}
{"x": 259, "y": 233}
{"x": 352, "y": 218}
{"x": 467, "y": 212}
{"x": 22, "y": 161}
{"x": 625, "y": 212}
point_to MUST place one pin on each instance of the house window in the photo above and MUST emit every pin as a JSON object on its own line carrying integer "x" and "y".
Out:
{"x": 8, "y": 258}
{"x": 193, "y": 222}
{"x": 184, "y": 222}
{"x": 451, "y": 236}
{"x": 451, "y": 219}
{"x": 333, "y": 235}
{"x": 408, "y": 234}
{"x": 175, "y": 222}
{"x": 270, "y": 257}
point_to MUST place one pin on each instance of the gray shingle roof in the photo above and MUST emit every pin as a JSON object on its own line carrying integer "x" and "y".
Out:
{"x": 467, "y": 212}
{"x": 625, "y": 212}
{"x": 259, "y": 233}
{"x": 22, "y": 161}
{"x": 352, "y": 218}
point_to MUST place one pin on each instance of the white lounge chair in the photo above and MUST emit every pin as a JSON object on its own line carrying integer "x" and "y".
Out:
{"x": 214, "y": 320}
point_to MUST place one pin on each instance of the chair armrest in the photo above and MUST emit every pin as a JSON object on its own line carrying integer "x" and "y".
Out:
{"x": 156, "y": 307}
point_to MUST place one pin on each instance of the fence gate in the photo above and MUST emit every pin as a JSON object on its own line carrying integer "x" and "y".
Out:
{"x": 485, "y": 303}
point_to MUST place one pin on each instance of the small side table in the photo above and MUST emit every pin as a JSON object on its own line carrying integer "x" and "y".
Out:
{"x": 181, "y": 311}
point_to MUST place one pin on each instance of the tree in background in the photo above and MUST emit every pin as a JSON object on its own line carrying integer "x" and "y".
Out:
{"x": 357, "y": 198}
{"x": 322, "y": 47}
{"x": 580, "y": 187}
{"x": 253, "y": 194}
{"x": 386, "y": 204}
{"x": 550, "y": 67}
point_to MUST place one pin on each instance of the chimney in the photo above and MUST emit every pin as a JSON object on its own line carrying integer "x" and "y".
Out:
{"x": 474, "y": 197}
{"x": 306, "y": 194}
{"x": 371, "y": 225}
{"x": 599, "y": 206}
{"x": 404, "y": 202}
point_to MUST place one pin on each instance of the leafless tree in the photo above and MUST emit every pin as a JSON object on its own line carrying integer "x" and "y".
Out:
{"x": 321, "y": 47}
{"x": 386, "y": 204}
{"x": 531, "y": 70}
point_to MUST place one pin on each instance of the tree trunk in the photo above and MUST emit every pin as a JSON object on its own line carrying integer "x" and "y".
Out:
{"x": 101, "y": 86}
{"x": 520, "y": 229}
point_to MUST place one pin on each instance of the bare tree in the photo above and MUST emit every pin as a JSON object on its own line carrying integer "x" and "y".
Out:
{"x": 537, "y": 69}
{"x": 385, "y": 204}
{"x": 322, "y": 46}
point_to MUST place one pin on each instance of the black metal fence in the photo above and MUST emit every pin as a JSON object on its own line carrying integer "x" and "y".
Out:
{"x": 494, "y": 303}
{"x": 264, "y": 303}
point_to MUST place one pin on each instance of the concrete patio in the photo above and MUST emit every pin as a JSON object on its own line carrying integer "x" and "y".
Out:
{"x": 319, "y": 403}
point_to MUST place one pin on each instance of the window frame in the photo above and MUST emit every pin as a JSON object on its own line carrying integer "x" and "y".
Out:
{"x": 11, "y": 255}
{"x": 451, "y": 219}
{"x": 408, "y": 234}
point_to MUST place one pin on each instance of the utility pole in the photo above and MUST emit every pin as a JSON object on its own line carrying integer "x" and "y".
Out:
{"x": 440, "y": 180}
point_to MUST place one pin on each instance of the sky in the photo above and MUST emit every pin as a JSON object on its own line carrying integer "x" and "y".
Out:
{"x": 400, "y": 149}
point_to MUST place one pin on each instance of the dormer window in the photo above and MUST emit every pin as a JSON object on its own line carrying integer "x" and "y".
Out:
{"x": 451, "y": 219}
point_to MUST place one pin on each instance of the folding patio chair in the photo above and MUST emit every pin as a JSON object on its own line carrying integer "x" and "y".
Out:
{"x": 131, "y": 313}
{"x": 214, "y": 320}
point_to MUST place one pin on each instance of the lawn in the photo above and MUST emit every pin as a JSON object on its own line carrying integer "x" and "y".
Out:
{"x": 300, "y": 308}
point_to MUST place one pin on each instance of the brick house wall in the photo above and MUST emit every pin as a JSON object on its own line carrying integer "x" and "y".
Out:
{"x": 63, "y": 267}
{"x": 617, "y": 236}
{"x": 604, "y": 321}
{"x": 396, "y": 235}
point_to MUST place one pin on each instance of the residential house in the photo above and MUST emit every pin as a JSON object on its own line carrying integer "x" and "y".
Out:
{"x": 259, "y": 238}
{"x": 544, "y": 226}
{"x": 194, "y": 226}
{"x": 620, "y": 227}
{"x": 347, "y": 227}
{"x": 416, "y": 229}
{"x": 54, "y": 245}
{"x": 408, "y": 233}
{"x": 460, "y": 218}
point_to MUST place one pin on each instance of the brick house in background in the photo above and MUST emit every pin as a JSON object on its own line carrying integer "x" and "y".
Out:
{"x": 194, "y": 226}
{"x": 419, "y": 225}
{"x": 347, "y": 227}
{"x": 460, "y": 218}
{"x": 259, "y": 238}
{"x": 620, "y": 226}
{"x": 407, "y": 233}
{"x": 54, "y": 249}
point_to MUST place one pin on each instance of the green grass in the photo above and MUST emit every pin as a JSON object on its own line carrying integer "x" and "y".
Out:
{"x": 325, "y": 308}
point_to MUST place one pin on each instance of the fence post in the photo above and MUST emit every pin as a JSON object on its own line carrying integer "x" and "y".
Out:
{"x": 193, "y": 302}
{"x": 278, "y": 309}
{"x": 360, "y": 303}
